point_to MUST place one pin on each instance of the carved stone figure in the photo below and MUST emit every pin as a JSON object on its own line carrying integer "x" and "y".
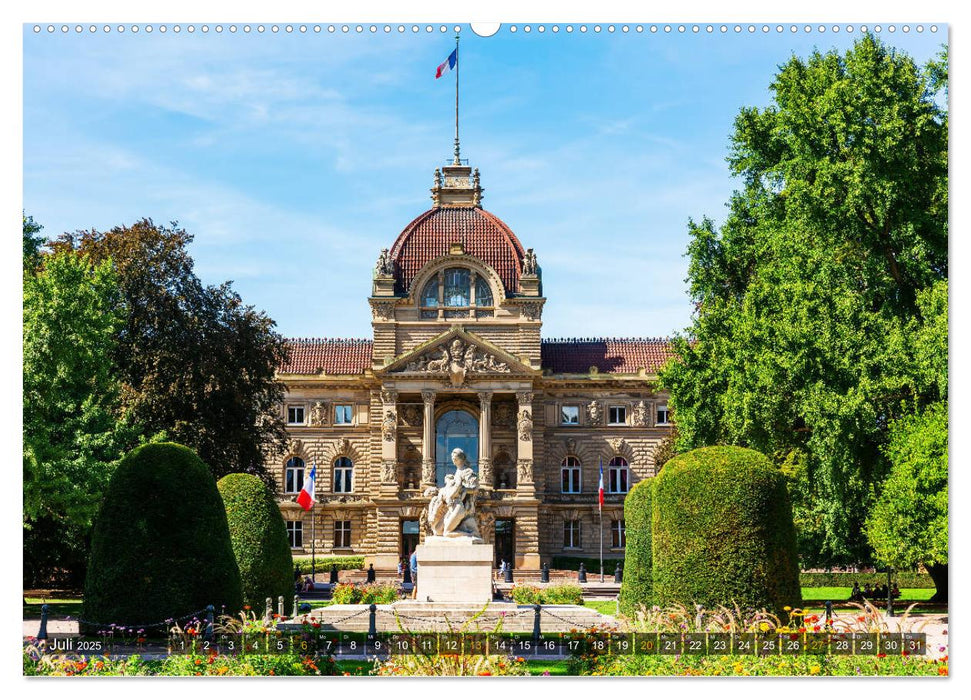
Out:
{"x": 318, "y": 413}
{"x": 384, "y": 266}
{"x": 524, "y": 471}
{"x": 410, "y": 415}
{"x": 529, "y": 262}
{"x": 639, "y": 415}
{"x": 595, "y": 414}
{"x": 503, "y": 415}
{"x": 389, "y": 426}
{"x": 451, "y": 511}
{"x": 389, "y": 472}
{"x": 525, "y": 425}
{"x": 456, "y": 359}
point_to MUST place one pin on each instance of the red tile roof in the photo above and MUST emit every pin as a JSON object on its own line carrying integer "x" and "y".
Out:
{"x": 608, "y": 355}
{"x": 485, "y": 236}
{"x": 330, "y": 355}
{"x": 560, "y": 356}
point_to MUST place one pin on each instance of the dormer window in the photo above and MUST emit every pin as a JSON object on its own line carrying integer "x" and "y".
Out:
{"x": 456, "y": 292}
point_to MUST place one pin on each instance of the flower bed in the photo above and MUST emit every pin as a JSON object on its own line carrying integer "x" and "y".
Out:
{"x": 692, "y": 665}
{"x": 179, "y": 665}
{"x": 566, "y": 594}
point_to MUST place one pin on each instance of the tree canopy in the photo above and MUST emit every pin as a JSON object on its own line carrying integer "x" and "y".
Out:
{"x": 194, "y": 361}
{"x": 74, "y": 432}
{"x": 807, "y": 298}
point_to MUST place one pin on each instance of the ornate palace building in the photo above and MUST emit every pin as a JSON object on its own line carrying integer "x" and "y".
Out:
{"x": 457, "y": 360}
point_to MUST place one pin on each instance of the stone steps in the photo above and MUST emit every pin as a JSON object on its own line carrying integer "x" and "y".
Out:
{"x": 444, "y": 617}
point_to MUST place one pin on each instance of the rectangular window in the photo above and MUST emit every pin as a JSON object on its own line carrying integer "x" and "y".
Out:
{"x": 342, "y": 533}
{"x": 662, "y": 414}
{"x": 570, "y": 415}
{"x": 295, "y": 415}
{"x": 295, "y": 533}
{"x": 343, "y": 414}
{"x": 571, "y": 534}
{"x": 617, "y": 415}
{"x": 618, "y": 534}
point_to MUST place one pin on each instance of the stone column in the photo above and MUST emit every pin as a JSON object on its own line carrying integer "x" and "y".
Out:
{"x": 485, "y": 440}
{"x": 389, "y": 439}
{"x": 524, "y": 432}
{"x": 428, "y": 440}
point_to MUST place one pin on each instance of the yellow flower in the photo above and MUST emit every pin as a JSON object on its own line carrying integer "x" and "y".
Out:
{"x": 764, "y": 626}
{"x": 814, "y": 670}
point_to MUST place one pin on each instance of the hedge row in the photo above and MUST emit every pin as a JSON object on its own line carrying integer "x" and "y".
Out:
{"x": 592, "y": 564}
{"x": 565, "y": 594}
{"x": 638, "y": 588}
{"x": 840, "y": 579}
{"x": 346, "y": 563}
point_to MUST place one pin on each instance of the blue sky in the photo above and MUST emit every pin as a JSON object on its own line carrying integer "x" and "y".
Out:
{"x": 294, "y": 158}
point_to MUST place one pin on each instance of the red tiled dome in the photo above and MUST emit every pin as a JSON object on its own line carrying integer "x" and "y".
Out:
{"x": 484, "y": 235}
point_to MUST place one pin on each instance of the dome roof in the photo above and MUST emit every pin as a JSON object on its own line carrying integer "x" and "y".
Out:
{"x": 483, "y": 235}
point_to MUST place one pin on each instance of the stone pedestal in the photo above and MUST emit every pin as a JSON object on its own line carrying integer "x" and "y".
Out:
{"x": 454, "y": 570}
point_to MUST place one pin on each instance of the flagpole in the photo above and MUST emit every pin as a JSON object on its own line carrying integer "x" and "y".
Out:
{"x": 457, "y": 160}
{"x": 313, "y": 543}
{"x": 601, "y": 544}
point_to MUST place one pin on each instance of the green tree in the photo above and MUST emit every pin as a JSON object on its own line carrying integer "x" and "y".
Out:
{"x": 194, "y": 360}
{"x": 804, "y": 295}
{"x": 908, "y": 523}
{"x": 32, "y": 243}
{"x": 259, "y": 537}
{"x": 73, "y": 430}
{"x": 160, "y": 547}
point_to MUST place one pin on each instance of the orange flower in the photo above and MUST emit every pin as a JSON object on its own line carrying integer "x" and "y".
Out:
{"x": 484, "y": 673}
{"x": 942, "y": 670}
{"x": 198, "y": 662}
{"x": 347, "y": 673}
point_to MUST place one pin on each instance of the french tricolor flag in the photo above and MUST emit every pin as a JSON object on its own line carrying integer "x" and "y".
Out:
{"x": 449, "y": 64}
{"x": 600, "y": 488}
{"x": 306, "y": 498}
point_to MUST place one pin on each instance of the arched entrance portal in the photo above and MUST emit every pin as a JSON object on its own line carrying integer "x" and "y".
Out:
{"x": 455, "y": 429}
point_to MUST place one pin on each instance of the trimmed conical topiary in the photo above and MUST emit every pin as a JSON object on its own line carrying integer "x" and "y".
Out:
{"x": 637, "y": 588}
{"x": 259, "y": 538}
{"x": 160, "y": 547}
{"x": 723, "y": 532}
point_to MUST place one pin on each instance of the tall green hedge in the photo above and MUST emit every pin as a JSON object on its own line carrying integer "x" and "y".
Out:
{"x": 637, "y": 588}
{"x": 160, "y": 547}
{"x": 259, "y": 538}
{"x": 723, "y": 532}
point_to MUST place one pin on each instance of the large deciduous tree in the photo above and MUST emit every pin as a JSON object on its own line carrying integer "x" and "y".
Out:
{"x": 73, "y": 430}
{"x": 194, "y": 361}
{"x": 800, "y": 346}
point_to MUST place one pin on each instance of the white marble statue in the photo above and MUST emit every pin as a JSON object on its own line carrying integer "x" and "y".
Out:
{"x": 451, "y": 511}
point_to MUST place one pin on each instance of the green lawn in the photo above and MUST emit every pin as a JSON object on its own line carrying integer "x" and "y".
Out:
{"x": 839, "y": 595}
{"x": 56, "y": 607}
{"x": 604, "y": 607}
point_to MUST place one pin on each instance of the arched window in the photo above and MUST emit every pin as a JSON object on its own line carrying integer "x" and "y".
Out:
{"x": 457, "y": 292}
{"x": 505, "y": 471}
{"x": 294, "y": 475}
{"x": 618, "y": 476}
{"x": 343, "y": 475}
{"x": 570, "y": 475}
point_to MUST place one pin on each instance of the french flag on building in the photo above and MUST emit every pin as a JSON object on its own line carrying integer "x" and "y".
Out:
{"x": 600, "y": 488}
{"x": 449, "y": 63}
{"x": 306, "y": 498}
